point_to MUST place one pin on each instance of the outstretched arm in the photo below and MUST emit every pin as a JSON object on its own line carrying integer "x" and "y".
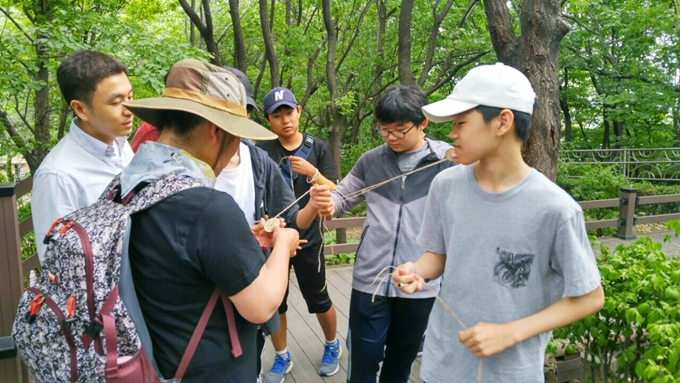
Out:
{"x": 486, "y": 339}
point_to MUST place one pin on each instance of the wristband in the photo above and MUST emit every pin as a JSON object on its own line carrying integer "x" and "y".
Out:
{"x": 309, "y": 181}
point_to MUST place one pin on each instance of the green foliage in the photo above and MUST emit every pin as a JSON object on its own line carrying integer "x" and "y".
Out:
{"x": 639, "y": 325}
{"x": 336, "y": 259}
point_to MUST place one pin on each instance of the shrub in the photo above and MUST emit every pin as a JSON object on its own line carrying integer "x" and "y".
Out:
{"x": 636, "y": 335}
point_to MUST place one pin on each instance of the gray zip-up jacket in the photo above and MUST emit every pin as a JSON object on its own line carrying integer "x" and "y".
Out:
{"x": 395, "y": 214}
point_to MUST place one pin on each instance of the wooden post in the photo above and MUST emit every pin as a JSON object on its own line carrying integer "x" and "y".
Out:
{"x": 11, "y": 280}
{"x": 627, "y": 214}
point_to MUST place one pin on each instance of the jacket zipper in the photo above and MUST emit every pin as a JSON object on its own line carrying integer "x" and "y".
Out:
{"x": 401, "y": 208}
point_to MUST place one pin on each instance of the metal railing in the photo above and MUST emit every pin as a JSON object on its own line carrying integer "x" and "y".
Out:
{"x": 653, "y": 164}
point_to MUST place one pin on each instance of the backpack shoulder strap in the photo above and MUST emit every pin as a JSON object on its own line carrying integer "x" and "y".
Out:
{"x": 303, "y": 152}
{"x": 306, "y": 147}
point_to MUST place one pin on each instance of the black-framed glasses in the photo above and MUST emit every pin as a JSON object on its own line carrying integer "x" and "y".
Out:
{"x": 398, "y": 134}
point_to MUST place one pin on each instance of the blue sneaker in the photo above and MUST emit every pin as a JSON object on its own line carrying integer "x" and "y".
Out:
{"x": 330, "y": 362}
{"x": 282, "y": 366}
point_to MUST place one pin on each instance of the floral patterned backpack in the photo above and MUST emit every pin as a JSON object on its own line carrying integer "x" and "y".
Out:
{"x": 82, "y": 322}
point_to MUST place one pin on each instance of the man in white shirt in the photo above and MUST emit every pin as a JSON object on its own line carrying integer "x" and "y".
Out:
{"x": 83, "y": 163}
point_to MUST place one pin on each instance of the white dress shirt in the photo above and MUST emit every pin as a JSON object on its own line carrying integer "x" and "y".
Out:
{"x": 72, "y": 176}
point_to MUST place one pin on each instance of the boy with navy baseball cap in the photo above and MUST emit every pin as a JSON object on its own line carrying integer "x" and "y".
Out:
{"x": 511, "y": 244}
{"x": 304, "y": 160}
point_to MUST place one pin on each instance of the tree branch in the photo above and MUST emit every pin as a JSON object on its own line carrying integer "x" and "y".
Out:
{"x": 434, "y": 32}
{"x": 19, "y": 27}
{"x": 355, "y": 34}
{"x": 193, "y": 16}
{"x": 502, "y": 35}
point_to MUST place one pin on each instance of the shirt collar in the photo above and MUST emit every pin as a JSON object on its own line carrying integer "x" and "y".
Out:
{"x": 94, "y": 146}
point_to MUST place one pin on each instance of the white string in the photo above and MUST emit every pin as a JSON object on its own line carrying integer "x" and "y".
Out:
{"x": 437, "y": 297}
{"x": 379, "y": 184}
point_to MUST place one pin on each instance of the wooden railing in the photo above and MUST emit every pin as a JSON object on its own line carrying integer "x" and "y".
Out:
{"x": 14, "y": 270}
{"x": 624, "y": 223}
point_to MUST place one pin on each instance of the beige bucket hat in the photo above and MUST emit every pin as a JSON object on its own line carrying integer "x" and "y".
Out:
{"x": 205, "y": 90}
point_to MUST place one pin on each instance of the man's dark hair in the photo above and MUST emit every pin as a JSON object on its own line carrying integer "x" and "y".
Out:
{"x": 180, "y": 122}
{"x": 401, "y": 104}
{"x": 79, "y": 74}
{"x": 522, "y": 120}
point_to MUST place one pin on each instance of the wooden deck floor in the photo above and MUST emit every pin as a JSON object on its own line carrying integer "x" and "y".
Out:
{"x": 305, "y": 338}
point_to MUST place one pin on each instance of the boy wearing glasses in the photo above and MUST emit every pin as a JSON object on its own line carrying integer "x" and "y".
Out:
{"x": 389, "y": 329}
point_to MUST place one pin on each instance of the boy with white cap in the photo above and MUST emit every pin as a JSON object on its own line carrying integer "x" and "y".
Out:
{"x": 511, "y": 244}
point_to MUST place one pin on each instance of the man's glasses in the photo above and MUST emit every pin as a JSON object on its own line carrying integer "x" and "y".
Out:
{"x": 398, "y": 134}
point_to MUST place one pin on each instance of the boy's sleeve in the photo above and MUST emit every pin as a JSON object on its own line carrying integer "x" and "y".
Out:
{"x": 572, "y": 257}
{"x": 431, "y": 236}
{"x": 326, "y": 164}
{"x": 280, "y": 196}
{"x": 353, "y": 182}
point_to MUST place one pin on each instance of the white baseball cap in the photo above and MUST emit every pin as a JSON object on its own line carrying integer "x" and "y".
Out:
{"x": 499, "y": 86}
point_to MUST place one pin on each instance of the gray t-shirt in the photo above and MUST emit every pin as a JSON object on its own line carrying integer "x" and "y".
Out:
{"x": 508, "y": 256}
{"x": 409, "y": 160}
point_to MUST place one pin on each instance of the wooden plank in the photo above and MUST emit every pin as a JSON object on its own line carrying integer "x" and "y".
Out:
{"x": 601, "y": 224}
{"x": 656, "y": 218}
{"x": 32, "y": 262}
{"x": 345, "y": 222}
{"x": 602, "y": 203}
{"x": 658, "y": 199}
{"x": 11, "y": 280}
{"x": 26, "y": 226}
{"x": 340, "y": 248}
{"x": 24, "y": 187}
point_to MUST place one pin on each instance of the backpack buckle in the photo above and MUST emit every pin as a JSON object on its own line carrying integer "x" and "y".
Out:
{"x": 94, "y": 328}
{"x": 33, "y": 308}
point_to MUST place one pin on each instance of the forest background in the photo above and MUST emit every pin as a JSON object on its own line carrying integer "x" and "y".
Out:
{"x": 606, "y": 72}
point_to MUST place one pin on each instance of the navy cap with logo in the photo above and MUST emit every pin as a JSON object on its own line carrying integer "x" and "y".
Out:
{"x": 279, "y": 97}
{"x": 250, "y": 96}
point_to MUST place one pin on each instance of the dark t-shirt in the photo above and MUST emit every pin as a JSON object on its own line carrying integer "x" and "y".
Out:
{"x": 321, "y": 158}
{"x": 180, "y": 249}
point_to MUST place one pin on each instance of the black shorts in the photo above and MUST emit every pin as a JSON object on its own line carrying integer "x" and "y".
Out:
{"x": 312, "y": 281}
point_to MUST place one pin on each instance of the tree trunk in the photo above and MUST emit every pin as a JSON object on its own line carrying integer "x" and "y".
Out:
{"x": 536, "y": 54}
{"x": 676, "y": 123}
{"x": 380, "y": 52}
{"x": 564, "y": 105}
{"x": 204, "y": 24}
{"x": 270, "y": 54}
{"x": 404, "y": 44}
{"x": 567, "y": 119}
{"x": 41, "y": 104}
{"x": 334, "y": 137}
{"x": 239, "y": 42}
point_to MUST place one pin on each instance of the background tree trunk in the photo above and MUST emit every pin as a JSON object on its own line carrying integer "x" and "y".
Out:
{"x": 239, "y": 43}
{"x": 536, "y": 54}
{"x": 404, "y": 44}
{"x": 270, "y": 53}
{"x": 334, "y": 136}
